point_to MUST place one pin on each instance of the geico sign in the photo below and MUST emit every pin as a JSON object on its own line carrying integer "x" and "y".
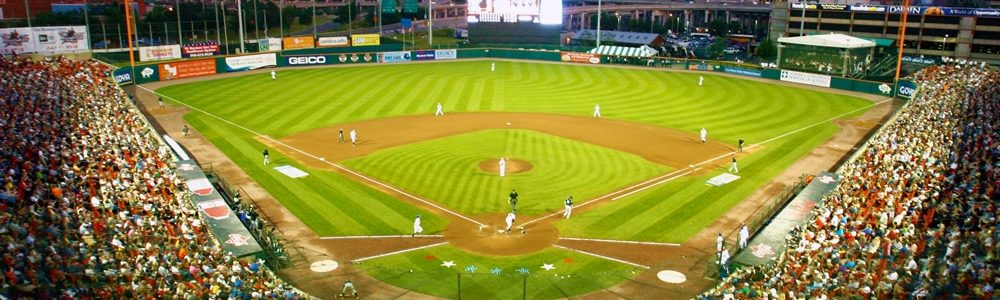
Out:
{"x": 307, "y": 60}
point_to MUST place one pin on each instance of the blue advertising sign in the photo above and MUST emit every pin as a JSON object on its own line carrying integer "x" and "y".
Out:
{"x": 907, "y": 89}
{"x": 123, "y": 75}
{"x": 396, "y": 56}
{"x": 424, "y": 55}
{"x": 743, "y": 71}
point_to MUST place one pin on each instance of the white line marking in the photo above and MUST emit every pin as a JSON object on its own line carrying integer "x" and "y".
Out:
{"x": 672, "y": 175}
{"x": 398, "y": 252}
{"x": 602, "y": 256}
{"x": 619, "y": 241}
{"x": 345, "y": 169}
{"x": 347, "y": 237}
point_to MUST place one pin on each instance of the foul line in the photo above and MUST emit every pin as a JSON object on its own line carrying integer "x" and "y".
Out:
{"x": 397, "y": 252}
{"x": 317, "y": 158}
{"x": 619, "y": 241}
{"x": 347, "y": 237}
{"x": 676, "y": 174}
{"x": 602, "y": 256}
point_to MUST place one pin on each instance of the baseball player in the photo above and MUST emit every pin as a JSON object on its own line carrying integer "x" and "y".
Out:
{"x": 161, "y": 102}
{"x": 704, "y": 135}
{"x": 274, "y": 75}
{"x": 732, "y": 167}
{"x": 597, "y": 110}
{"x": 719, "y": 240}
{"x": 354, "y": 138}
{"x": 513, "y": 200}
{"x": 340, "y": 136}
{"x": 741, "y": 143}
{"x": 186, "y": 130}
{"x": 744, "y": 235}
{"x": 493, "y": 66}
{"x": 569, "y": 207}
{"x": 701, "y": 80}
{"x": 266, "y": 157}
{"x": 416, "y": 227}
{"x": 349, "y": 290}
{"x": 724, "y": 261}
{"x": 440, "y": 110}
{"x": 503, "y": 167}
{"x": 510, "y": 221}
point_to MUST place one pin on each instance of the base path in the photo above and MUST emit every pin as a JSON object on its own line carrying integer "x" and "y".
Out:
{"x": 666, "y": 146}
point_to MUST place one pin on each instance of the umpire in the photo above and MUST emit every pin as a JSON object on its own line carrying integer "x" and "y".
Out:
{"x": 513, "y": 200}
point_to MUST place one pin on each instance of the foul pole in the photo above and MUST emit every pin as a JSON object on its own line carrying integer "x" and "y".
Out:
{"x": 901, "y": 39}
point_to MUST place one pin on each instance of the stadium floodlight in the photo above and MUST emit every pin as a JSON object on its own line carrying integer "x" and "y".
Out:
{"x": 180, "y": 36}
{"x": 239, "y": 15}
{"x": 598, "y": 24}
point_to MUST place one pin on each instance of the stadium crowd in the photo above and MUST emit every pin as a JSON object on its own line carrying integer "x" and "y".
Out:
{"x": 90, "y": 206}
{"x": 916, "y": 214}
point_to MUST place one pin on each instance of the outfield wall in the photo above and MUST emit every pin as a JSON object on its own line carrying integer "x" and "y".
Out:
{"x": 146, "y": 73}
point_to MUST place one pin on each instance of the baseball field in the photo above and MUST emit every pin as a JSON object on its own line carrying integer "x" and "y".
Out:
{"x": 638, "y": 173}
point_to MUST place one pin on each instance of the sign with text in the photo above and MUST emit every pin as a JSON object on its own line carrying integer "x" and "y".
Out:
{"x": 365, "y": 40}
{"x": 299, "y": 42}
{"x": 424, "y": 55}
{"x": 250, "y": 62}
{"x": 159, "y": 52}
{"x": 805, "y": 78}
{"x": 396, "y": 56}
{"x": 309, "y": 60}
{"x": 742, "y": 71}
{"x": 123, "y": 75}
{"x": 200, "y": 49}
{"x": 578, "y": 57}
{"x": 185, "y": 69}
{"x": 54, "y": 39}
{"x": 336, "y": 41}
{"x": 907, "y": 89}
{"x": 445, "y": 54}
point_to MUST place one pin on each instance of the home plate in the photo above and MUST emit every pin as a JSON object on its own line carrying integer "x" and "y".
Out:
{"x": 722, "y": 179}
{"x": 669, "y": 276}
{"x": 291, "y": 171}
{"x": 324, "y": 266}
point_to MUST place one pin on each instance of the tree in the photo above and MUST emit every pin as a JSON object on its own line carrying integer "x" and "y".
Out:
{"x": 288, "y": 14}
{"x": 767, "y": 50}
{"x": 718, "y": 47}
{"x": 608, "y": 21}
{"x": 718, "y": 27}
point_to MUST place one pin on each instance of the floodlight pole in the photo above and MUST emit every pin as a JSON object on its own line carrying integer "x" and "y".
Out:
{"x": 598, "y": 24}
{"x": 802, "y": 21}
{"x": 430, "y": 23}
{"x": 239, "y": 15}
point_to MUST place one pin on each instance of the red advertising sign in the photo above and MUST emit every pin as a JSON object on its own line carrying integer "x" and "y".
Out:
{"x": 185, "y": 69}
{"x": 577, "y": 57}
{"x": 200, "y": 49}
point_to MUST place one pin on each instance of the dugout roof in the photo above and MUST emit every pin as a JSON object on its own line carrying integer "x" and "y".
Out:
{"x": 833, "y": 40}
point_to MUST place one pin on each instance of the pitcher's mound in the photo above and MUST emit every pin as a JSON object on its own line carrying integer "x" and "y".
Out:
{"x": 513, "y": 166}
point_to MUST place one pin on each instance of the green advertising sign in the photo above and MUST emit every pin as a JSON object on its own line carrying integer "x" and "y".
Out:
{"x": 410, "y": 6}
{"x": 388, "y": 6}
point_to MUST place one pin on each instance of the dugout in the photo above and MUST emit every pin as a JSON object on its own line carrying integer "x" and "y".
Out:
{"x": 832, "y": 54}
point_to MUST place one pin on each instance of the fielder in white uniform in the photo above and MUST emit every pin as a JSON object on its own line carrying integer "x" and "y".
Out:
{"x": 597, "y": 111}
{"x": 493, "y": 67}
{"x": 503, "y": 167}
{"x": 510, "y": 220}
{"x": 744, "y": 235}
{"x": 569, "y": 207}
{"x": 733, "y": 168}
{"x": 701, "y": 80}
{"x": 704, "y": 135}
{"x": 440, "y": 110}
{"x": 724, "y": 260}
{"x": 416, "y": 227}
{"x": 354, "y": 137}
{"x": 718, "y": 243}
{"x": 274, "y": 75}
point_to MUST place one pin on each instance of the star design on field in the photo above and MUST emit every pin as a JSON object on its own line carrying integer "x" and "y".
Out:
{"x": 448, "y": 264}
{"x": 548, "y": 267}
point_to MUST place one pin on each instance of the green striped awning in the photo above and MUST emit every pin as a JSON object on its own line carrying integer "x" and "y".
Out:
{"x": 624, "y": 51}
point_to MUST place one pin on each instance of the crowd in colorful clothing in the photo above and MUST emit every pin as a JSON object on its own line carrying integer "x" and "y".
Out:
{"x": 90, "y": 206}
{"x": 916, "y": 214}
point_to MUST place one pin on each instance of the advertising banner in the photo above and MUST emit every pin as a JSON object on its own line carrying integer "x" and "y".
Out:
{"x": 578, "y": 57}
{"x": 396, "y": 56}
{"x": 336, "y": 41}
{"x": 805, "y": 78}
{"x": 445, "y": 54}
{"x": 251, "y": 62}
{"x": 742, "y": 71}
{"x": 272, "y": 44}
{"x": 17, "y": 40}
{"x": 913, "y": 10}
{"x": 424, "y": 55}
{"x": 298, "y": 42}
{"x": 200, "y": 49}
{"x": 123, "y": 75}
{"x": 61, "y": 39}
{"x": 147, "y": 73}
{"x": 159, "y": 52}
{"x": 310, "y": 60}
{"x": 365, "y": 40}
{"x": 185, "y": 69}
{"x": 907, "y": 89}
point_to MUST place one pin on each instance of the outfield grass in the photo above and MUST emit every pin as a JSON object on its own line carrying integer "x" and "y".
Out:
{"x": 311, "y": 98}
{"x": 422, "y": 271}
{"x": 450, "y": 174}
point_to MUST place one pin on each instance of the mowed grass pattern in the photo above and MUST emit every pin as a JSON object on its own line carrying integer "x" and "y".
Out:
{"x": 728, "y": 107}
{"x": 447, "y": 170}
{"x": 422, "y": 271}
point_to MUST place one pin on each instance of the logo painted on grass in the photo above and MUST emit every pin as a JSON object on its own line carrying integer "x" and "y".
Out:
{"x": 471, "y": 269}
{"x": 495, "y": 271}
{"x": 522, "y": 270}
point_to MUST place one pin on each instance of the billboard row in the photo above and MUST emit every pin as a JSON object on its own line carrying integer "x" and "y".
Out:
{"x": 152, "y": 53}
{"x": 895, "y": 9}
{"x": 54, "y": 39}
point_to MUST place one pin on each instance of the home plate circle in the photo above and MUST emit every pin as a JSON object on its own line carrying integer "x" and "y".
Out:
{"x": 669, "y": 276}
{"x": 324, "y": 266}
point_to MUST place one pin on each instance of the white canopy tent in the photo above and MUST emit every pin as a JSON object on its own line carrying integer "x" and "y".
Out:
{"x": 833, "y": 40}
{"x": 833, "y": 54}
{"x": 642, "y": 51}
